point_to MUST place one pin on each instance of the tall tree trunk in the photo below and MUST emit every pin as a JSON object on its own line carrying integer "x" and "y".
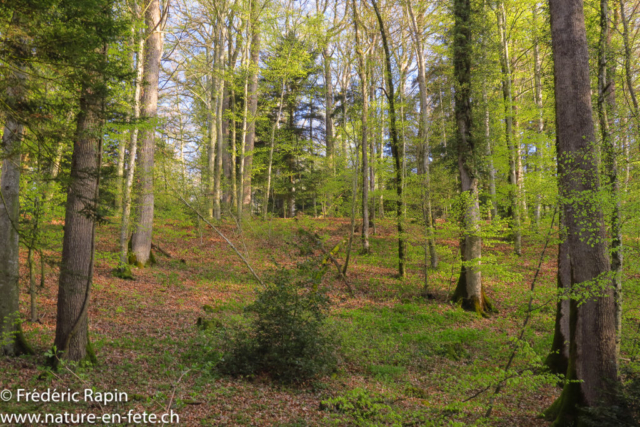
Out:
{"x": 628, "y": 56}
{"x": 362, "y": 70}
{"x": 606, "y": 112}
{"x": 122, "y": 150}
{"x": 592, "y": 371}
{"x": 537, "y": 75}
{"x": 133, "y": 151}
{"x": 396, "y": 147}
{"x": 469, "y": 292}
{"x": 490, "y": 165}
{"x": 12, "y": 341}
{"x": 141, "y": 239}
{"x": 76, "y": 269}
{"x": 505, "y": 63}
{"x": 328, "y": 102}
{"x": 424, "y": 136}
{"x": 272, "y": 144}
{"x": 212, "y": 119}
{"x": 245, "y": 124}
{"x": 253, "y": 108}
{"x": 220, "y": 127}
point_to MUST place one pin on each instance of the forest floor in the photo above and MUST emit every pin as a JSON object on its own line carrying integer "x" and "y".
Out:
{"x": 404, "y": 360}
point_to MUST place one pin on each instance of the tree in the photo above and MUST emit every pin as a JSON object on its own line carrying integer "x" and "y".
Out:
{"x": 425, "y": 150}
{"x": 362, "y": 71}
{"x": 397, "y": 149}
{"x": 469, "y": 292}
{"x": 592, "y": 369}
{"x": 76, "y": 270}
{"x": 92, "y": 72}
{"x": 12, "y": 341}
{"x": 141, "y": 238}
{"x": 253, "y": 102}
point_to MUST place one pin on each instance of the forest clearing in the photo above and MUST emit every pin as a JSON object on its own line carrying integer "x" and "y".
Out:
{"x": 320, "y": 212}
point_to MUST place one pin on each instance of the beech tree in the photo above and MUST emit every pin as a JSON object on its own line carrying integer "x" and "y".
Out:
{"x": 12, "y": 341}
{"x": 592, "y": 372}
{"x": 141, "y": 238}
{"x": 469, "y": 292}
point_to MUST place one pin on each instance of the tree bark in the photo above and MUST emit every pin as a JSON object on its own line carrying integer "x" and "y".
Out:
{"x": 469, "y": 292}
{"x": 627, "y": 64}
{"x": 362, "y": 70}
{"x": 141, "y": 239}
{"x": 558, "y": 358}
{"x": 396, "y": 147}
{"x": 606, "y": 112}
{"x": 592, "y": 370}
{"x": 509, "y": 128}
{"x": 212, "y": 114}
{"x": 328, "y": 100}
{"x": 12, "y": 342}
{"x": 253, "y": 109}
{"x": 220, "y": 126}
{"x": 424, "y": 136}
{"x": 133, "y": 152}
{"x": 537, "y": 75}
{"x": 76, "y": 269}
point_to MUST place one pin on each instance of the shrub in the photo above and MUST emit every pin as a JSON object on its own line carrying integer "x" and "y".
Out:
{"x": 287, "y": 338}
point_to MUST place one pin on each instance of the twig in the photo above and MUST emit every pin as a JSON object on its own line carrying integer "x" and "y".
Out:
{"x": 526, "y": 319}
{"x": 173, "y": 392}
{"x": 316, "y": 239}
{"x": 224, "y": 237}
{"x": 162, "y": 251}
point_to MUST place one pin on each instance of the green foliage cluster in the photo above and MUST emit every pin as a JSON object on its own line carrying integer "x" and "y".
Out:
{"x": 287, "y": 337}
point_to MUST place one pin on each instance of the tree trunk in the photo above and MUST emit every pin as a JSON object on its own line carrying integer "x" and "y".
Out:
{"x": 396, "y": 147}
{"x": 490, "y": 165}
{"x": 122, "y": 150}
{"x": 275, "y": 126}
{"x": 76, "y": 269}
{"x": 424, "y": 136}
{"x": 328, "y": 99}
{"x": 245, "y": 124}
{"x": 133, "y": 151}
{"x": 253, "y": 109}
{"x": 592, "y": 371}
{"x": 537, "y": 73}
{"x": 212, "y": 115}
{"x": 509, "y": 129}
{"x": 12, "y": 342}
{"x": 558, "y": 358}
{"x": 469, "y": 292}
{"x": 606, "y": 112}
{"x": 217, "y": 186}
{"x": 141, "y": 239}
{"x": 627, "y": 64}
{"x": 362, "y": 69}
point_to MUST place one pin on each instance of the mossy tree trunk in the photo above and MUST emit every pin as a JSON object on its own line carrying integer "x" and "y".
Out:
{"x": 469, "y": 292}
{"x": 606, "y": 115}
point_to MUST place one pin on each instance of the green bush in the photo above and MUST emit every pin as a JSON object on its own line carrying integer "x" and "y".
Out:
{"x": 287, "y": 338}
